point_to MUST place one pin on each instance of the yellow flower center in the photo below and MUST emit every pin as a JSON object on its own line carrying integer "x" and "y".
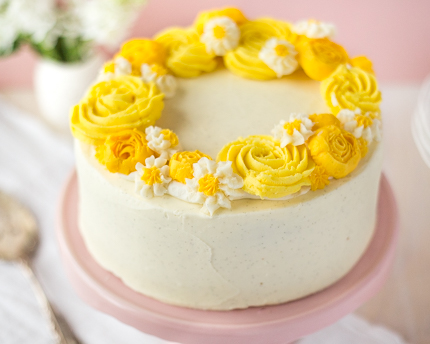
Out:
{"x": 363, "y": 121}
{"x": 209, "y": 184}
{"x": 158, "y": 69}
{"x": 281, "y": 50}
{"x": 170, "y": 136}
{"x": 219, "y": 32}
{"x": 151, "y": 176}
{"x": 290, "y": 126}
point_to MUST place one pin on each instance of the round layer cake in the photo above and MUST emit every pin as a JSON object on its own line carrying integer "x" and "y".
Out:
{"x": 258, "y": 247}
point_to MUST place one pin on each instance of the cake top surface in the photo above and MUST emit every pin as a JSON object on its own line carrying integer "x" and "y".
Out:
{"x": 244, "y": 108}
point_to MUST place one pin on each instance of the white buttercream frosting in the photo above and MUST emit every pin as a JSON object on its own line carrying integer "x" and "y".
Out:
{"x": 158, "y": 144}
{"x": 297, "y": 137}
{"x": 226, "y": 183}
{"x": 166, "y": 83}
{"x": 314, "y": 29}
{"x": 348, "y": 119}
{"x": 220, "y": 35}
{"x": 280, "y": 56}
{"x": 147, "y": 188}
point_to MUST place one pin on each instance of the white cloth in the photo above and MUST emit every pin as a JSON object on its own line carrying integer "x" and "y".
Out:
{"x": 34, "y": 164}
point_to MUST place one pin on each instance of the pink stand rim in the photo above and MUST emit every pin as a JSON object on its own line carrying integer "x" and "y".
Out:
{"x": 278, "y": 324}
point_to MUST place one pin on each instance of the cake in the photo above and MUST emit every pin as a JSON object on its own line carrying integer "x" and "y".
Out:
{"x": 230, "y": 164}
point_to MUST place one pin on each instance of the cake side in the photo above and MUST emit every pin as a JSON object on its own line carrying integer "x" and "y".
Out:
{"x": 258, "y": 253}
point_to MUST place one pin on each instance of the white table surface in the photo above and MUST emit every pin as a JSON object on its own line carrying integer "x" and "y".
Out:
{"x": 404, "y": 303}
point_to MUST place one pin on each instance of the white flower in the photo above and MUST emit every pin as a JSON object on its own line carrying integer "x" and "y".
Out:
{"x": 213, "y": 184}
{"x": 280, "y": 56}
{"x": 107, "y": 22}
{"x": 296, "y": 130}
{"x": 314, "y": 29}
{"x": 166, "y": 83}
{"x": 152, "y": 179}
{"x": 366, "y": 126}
{"x": 220, "y": 35}
{"x": 157, "y": 142}
{"x": 121, "y": 67}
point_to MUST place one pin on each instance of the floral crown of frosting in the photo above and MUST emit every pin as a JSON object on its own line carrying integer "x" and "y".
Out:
{"x": 304, "y": 152}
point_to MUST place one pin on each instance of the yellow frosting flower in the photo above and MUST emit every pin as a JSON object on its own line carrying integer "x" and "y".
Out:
{"x": 320, "y": 57}
{"x": 336, "y": 150}
{"x": 323, "y": 119}
{"x": 181, "y": 164}
{"x": 122, "y": 151}
{"x": 244, "y": 60}
{"x": 268, "y": 170}
{"x": 140, "y": 51}
{"x": 319, "y": 178}
{"x": 209, "y": 184}
{"x": 186, "y": 55}
{"x": 362, "y": 62}
{"x": 111, "y": 106}
{"x": 351, "y": 88}
{"x": 233, "y": 13}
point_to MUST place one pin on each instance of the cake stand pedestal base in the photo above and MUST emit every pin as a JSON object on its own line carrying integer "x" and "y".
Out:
{"x": 280, "y": 324}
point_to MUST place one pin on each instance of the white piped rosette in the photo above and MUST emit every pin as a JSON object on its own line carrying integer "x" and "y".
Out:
{"x": 298, "y": 137}
{"x": 166, "y": 83}
{"x": 281, "y": 64}
{"x": 314, "y": 29}
{"x": 158, "y": 144}
{"x": 349, "y": 122}
{"x": 228, "y": 184}
{"x": 227, "y": 39}
{"x": 148, "y": 188}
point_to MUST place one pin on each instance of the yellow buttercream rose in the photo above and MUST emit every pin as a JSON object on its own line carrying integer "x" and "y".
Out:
{"x": 233, "y": 13}
{"x": 323, "y": 119}
{"x": 186, "y": 55}
{"x": 268, "y": 170}
{"x": 124, "y": 102}
{"x": 181, "y": 164}
{"x": 244, "y": 60}
{"x": 336, "y": 150}
{"x": 140, "y": 51}
{"x": 320, "y": 57}
{"x": 122, "y": 151}
{"x": 351, "y": 88}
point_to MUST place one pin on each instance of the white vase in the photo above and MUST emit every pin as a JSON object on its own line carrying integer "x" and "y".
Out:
{"x": 58, "y": 86}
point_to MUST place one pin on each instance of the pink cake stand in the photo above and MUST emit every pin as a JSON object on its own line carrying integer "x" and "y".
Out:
{"x": 279, "y": 324}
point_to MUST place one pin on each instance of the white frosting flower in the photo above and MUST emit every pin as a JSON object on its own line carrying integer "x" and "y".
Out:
{"x": 280, "y": 56}
{"x": 158, "y": 143}
{"x": 296, "y": 130}
{"x": 314, "y": 29}
{"x": 122, "y": 67}
{"x": 158, "y": 74}
{"x": 366, "y": 126}
{"x": 220, "y": 35}
{"x": 152, "y": 179}
{"x": 213, "y": 185}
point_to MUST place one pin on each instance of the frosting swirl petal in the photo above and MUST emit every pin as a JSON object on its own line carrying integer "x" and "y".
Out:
{"x": 124, "y": 102}
{"x": 244, "y": 60}
{"x": 268, "y": 170}
{"x": 186, "y": 55}
{"x": 351, "y": 88}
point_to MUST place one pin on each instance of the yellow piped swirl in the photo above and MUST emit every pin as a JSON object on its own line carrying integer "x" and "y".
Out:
{"x": 351, "y": 88}
{"x": 125, "y": 102}
{"x": 244, "y": 60}
{"x": 186, "y": 55}
{"x": 268, "y": 170}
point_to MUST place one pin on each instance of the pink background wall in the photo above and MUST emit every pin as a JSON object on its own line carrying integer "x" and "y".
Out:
{"x": 394, "y": 34}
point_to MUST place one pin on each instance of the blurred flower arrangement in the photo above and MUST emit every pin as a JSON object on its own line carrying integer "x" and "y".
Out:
{"x": 67, "y": 30}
